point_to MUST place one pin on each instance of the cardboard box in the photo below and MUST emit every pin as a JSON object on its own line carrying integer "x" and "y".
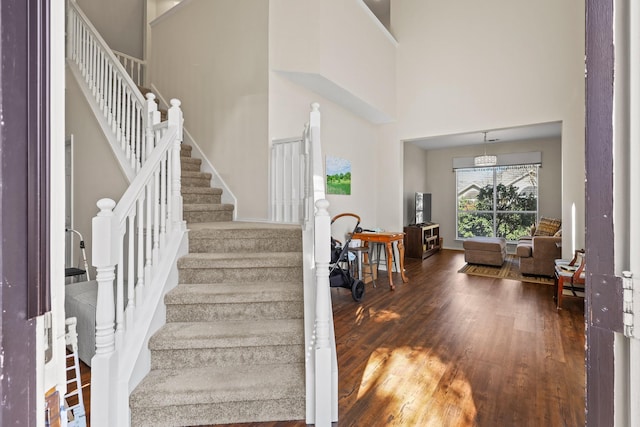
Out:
{"x": 367, "y": 272}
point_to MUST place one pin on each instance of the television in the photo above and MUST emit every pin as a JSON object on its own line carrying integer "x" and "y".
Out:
{"x": 423, "y": 208}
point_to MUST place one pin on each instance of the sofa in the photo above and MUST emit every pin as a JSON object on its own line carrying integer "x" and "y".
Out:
{"x": 537, "y": 253}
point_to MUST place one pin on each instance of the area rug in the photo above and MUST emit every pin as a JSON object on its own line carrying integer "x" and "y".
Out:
{"x": 509, "y": 270}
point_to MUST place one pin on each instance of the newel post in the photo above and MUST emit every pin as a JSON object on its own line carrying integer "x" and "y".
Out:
{"x": 153, "y": 118}
{"x": 176, "y": 119}
{"x": 323, "y": 358}
{"x": 105, "y": 255}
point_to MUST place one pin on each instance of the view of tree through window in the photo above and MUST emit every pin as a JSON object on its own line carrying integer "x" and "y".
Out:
{"x": 497, "y": 201}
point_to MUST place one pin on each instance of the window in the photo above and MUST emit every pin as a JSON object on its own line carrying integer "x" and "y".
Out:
{"x": 497, "y": 201}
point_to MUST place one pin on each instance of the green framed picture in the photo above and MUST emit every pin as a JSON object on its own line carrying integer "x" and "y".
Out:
{"x": 338, "y": 175}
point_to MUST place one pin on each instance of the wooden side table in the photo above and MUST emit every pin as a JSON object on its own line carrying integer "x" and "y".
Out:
{"x": 388, "y": 239}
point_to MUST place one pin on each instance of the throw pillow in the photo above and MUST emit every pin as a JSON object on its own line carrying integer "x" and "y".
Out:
{"x": 548, "y": 227}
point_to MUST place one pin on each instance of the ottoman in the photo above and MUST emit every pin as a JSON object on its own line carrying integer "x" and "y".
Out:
{"x": 485, "y": 250}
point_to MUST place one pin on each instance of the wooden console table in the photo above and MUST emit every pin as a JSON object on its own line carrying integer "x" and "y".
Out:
{"x": 387, "y": 239}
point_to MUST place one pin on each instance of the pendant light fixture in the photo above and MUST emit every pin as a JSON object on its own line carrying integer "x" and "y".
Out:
{"x": 485, "y": 160}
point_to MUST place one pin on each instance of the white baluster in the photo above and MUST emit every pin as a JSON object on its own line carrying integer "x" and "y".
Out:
{"x": 126, "y": 129}
{"x": 140, "y": 258}
{"x": 163, "y": 200}
{"x": 131, "y": 270}
{"x": 71, "y": 36}
{"x": 103, "y": 82}
{"x": 153, "y": 117}
{"x": 156, "y": 216}
{"x": 118, "y": 111}
{"x": 169, "y": 190}
{"x": 120, "y": 291}
{"x": 176, "y": 119}
{"x": 135, "y": 142}
{"x": 323, "y": 349}
{"x": 148, "y": 251}
{"x": 111, "y": 99}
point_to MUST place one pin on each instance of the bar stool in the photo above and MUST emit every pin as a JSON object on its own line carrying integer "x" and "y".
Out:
{"x": 359, "y": 252}
{"x": 378, "y": 246}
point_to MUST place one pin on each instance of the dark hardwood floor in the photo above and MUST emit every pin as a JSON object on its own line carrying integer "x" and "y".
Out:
{"x": 448, "y": 349}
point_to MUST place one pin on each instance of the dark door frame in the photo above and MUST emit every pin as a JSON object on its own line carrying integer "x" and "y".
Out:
{"x": 603, "y": 298}
{"x": 24, "y": 200}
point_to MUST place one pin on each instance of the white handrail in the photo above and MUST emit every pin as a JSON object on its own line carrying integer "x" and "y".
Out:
{"x": 118, "y": 99}
{"x": 321, "y": 360}
{"x": 135, "y": 67}
{"x": 140, "y": 226}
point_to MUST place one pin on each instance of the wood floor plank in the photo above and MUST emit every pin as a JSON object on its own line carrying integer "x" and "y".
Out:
{"x": 448, "y": 349}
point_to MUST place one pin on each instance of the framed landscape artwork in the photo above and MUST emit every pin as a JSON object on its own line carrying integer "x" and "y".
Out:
{"x": 338, "y": 175}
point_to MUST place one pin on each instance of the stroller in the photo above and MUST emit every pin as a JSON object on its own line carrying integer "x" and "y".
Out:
{"x": 340, "y": 277}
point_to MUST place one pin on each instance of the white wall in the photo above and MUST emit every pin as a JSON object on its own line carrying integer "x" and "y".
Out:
{"x": 441, "y": 180}
{"x": 495, "y": 64}
{"x": 213, "y": 56}
{"x": 91, "y": 153}
{"x": 339, "y": 48}
{"x": 121, "y": 23}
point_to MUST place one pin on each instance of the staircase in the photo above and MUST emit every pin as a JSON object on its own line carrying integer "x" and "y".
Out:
{"x": 232, "y": 349}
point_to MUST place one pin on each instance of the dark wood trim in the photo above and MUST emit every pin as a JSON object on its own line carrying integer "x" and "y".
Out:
{"x": 603, "y": 302}
{"x": 17, "y": 330}
{"x": 38, "y": 158}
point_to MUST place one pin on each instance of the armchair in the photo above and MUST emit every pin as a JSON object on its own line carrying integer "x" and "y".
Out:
{"x": 570, "y": 275}
{"x": 539, "y": 251}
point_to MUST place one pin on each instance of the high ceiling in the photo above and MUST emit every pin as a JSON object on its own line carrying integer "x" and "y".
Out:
{"x": 514, "y": 134}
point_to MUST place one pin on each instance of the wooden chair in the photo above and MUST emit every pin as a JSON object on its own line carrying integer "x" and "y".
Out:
{"x": 570, "y": 276}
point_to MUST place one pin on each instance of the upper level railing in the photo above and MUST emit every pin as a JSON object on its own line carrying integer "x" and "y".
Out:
{"x": 289, "y": 184}
{"x": 321, "y": 360}
{"x": 135, "y": 67}
{"x": 119, "y": 102}
{"x": 134, "y": 246}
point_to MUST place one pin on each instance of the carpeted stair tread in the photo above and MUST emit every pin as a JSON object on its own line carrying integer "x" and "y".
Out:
{"x": 230, "y": 293}
{"x": 201, "y": 190}
{"x": 211, "y": 384}
{"x": 203, "y": 207}
{"x": 241, "y": 260}
{"x": 227, "y": 334}
{"x": 190, "y": 164}
{"x": 240, "y": 229}
{"x": 190, "y": 160}
{"x": 196, "y": 174}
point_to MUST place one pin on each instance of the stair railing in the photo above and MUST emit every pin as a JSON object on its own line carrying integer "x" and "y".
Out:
{"x": 288, "y": 167}
{"x": 321, "y": 359}
{"x": 135, "y": 67}
{"x": 135, "y": 245}
{"x": 118, "y": 103}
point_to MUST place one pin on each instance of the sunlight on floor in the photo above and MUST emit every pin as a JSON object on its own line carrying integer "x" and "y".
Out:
{"x": 418, "y": 387}
{"x": 379, "y": 316}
